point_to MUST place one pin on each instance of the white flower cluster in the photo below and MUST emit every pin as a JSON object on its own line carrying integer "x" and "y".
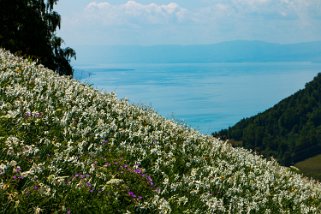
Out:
{"x": 193, "y": 173}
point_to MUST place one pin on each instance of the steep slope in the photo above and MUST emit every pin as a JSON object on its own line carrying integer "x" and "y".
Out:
{"x": 311, "y": 167}
{"x": 66, "y": 147}
{"x": 290, "y": 131}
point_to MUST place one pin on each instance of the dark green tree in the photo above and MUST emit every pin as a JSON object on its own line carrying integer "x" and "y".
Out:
{"x": 27, "y": 28}
{"x": 290, "y": 131}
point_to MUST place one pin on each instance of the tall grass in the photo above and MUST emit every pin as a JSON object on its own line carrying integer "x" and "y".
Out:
{"x": 67, "y": 148}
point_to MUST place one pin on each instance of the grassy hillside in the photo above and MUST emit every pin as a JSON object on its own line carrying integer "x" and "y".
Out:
{"x": 311, "y": 167}
{"x": 67, "y": 148}
{"x": 290, "y": 131}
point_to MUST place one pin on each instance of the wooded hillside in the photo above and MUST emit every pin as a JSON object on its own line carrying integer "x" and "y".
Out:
{"x": 290, "y": 131}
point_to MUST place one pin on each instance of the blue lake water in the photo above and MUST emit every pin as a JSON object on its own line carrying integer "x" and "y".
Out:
{"x": 207, "y": 97}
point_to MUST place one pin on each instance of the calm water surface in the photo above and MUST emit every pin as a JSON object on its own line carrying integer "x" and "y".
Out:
{"x": 207, "y": 97}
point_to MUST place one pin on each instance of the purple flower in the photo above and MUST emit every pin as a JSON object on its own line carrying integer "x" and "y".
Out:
{"x": 28, "y": 114}
{"x": 106, "y": 164}
{"x": 14, "y": 177}
{"x": 88, "y": 184}
{"x": 91, "y": 190}
{"x": 68, "y": 211}
{"x": 37, "y": 114}
{"x": 131, "y": 194}
{"x": 138, "y": 171}
{"x": 21, "y": 177}
{"x": 140, "y": 197}
{"x": 149, "y": 178}
{"x": 18, "y": 169}
{"x": 36, "y": 187}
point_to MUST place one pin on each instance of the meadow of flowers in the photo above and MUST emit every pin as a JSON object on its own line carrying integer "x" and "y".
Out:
{"x": 68, "y": 148}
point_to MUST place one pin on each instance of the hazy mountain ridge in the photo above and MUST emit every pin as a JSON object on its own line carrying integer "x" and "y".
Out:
{"x": 233, "y": 51}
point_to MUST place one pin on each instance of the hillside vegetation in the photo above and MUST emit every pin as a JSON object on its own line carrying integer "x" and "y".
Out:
{"x": 67, "y": 148}
{"x": 290, "y": 131}
{"x": 311, "y": 167}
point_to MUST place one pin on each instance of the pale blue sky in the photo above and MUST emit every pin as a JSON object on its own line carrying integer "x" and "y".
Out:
{"x": 151, "y": 22}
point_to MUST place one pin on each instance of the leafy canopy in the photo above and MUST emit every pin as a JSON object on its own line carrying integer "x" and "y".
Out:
{"x": 28, "y": 28}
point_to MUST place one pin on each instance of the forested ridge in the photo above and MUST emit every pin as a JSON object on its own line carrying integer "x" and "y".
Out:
{"x": 290, "y": 131}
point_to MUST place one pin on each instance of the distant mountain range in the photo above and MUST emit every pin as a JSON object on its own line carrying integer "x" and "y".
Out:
{"x": 233, "y": 51}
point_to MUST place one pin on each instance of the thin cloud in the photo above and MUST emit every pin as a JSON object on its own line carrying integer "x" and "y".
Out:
{"x": 136, "y": 13}
{"x": 156, "y": 22}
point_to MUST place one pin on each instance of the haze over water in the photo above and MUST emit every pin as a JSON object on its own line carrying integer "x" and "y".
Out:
{"x": 204, "y": 96}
